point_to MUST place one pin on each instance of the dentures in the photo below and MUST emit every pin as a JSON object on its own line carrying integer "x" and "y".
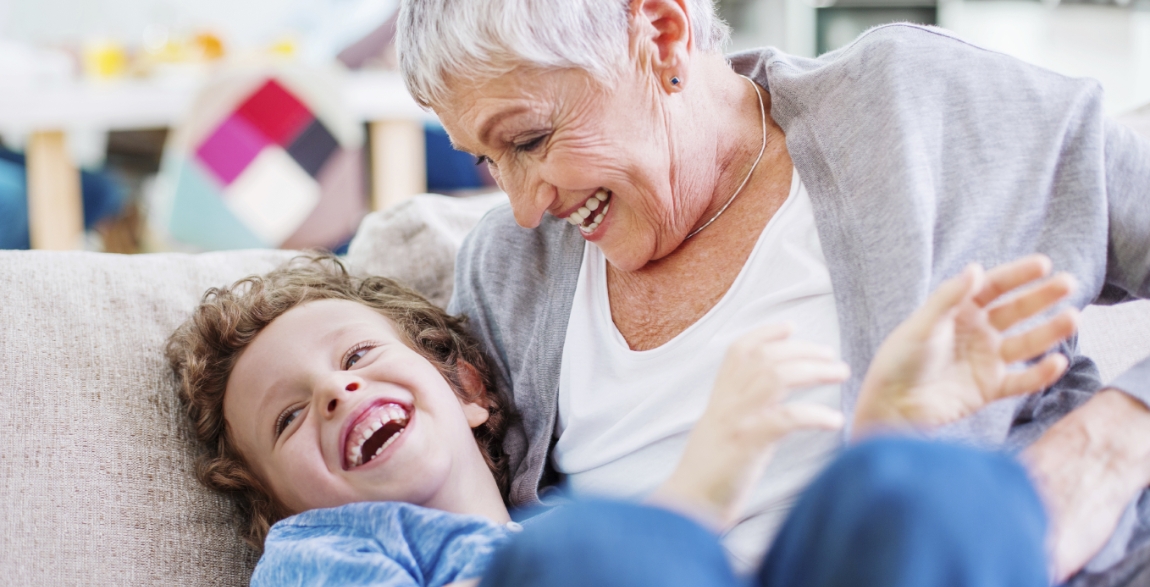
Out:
{"x": 591, "y": 213}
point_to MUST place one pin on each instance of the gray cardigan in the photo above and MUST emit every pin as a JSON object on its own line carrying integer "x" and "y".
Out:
{"x": 921, "y": 153}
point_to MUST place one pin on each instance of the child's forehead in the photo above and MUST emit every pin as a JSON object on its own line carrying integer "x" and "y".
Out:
{"x": 314, "y": 330}
{"x": 334, "y": 316}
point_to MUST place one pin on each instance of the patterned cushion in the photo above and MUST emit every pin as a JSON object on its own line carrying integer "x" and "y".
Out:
{"x": 264, "y": 160}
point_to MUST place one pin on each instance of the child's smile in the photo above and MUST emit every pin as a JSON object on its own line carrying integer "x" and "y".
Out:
{"x": 375, "y": 428}
{"x": 330, "y": 405}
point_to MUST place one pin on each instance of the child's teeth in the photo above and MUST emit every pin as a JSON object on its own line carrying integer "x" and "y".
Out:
{"x": 592, "y": 204}
{"x": 601, "y": 195}
{"x": 396, "y": 413}
{"x": 574, "y": 219}
{"x": 389, "y": 441}
{"x": 583, "y": 212}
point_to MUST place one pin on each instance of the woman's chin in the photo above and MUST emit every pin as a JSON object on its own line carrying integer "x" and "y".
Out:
{"x": 622, "y": 257}
{"x": 625, "y": 249}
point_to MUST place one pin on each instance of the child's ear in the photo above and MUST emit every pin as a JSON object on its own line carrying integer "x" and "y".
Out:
{"x": 475, "y": 411}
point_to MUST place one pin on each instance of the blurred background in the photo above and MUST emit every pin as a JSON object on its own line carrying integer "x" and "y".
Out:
{"x": 189, "y": 125}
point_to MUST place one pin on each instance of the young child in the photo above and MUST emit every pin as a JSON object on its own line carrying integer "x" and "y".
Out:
{"x": 356, "y": 417}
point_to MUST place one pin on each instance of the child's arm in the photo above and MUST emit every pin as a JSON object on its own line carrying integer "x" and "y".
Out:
{"x": 731, "y": 444}
{"x": 951, "y": 357}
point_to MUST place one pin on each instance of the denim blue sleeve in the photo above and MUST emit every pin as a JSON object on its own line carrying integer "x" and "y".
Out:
{"x": 380, "y": 544}
{"x": 316, "y": 557}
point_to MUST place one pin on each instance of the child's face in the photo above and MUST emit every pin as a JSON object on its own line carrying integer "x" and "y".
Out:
{"x": 329, "y": 406}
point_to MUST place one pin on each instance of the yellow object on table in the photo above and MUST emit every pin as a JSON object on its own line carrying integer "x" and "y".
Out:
{"x": 105, "y": 59}
{"x": 209, "y": 46}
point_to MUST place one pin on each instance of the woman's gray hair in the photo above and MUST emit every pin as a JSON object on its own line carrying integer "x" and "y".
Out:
{"x": 441, "y": 40}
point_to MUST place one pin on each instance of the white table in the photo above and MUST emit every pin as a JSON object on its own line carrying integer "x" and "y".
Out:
{"x": 44, "y": 113}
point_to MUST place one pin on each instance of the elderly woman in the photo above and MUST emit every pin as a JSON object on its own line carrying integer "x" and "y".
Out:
{"x": 666, "y": 199}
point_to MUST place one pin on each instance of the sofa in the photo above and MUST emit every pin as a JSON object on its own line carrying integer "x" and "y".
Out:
{"x": 96, "y": 459}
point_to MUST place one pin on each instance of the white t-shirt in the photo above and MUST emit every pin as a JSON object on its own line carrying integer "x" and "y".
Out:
{"x": 624, "y": 415}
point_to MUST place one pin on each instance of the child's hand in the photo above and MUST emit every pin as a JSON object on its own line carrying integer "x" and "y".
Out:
{"x": 731, "y": 444}
{"x": 950, "y": 358}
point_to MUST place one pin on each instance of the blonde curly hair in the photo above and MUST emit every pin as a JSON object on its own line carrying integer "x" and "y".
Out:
{"x": 203, "y": 351}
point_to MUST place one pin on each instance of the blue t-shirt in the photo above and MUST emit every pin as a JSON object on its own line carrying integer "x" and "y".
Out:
{"x": 383, "y": 544}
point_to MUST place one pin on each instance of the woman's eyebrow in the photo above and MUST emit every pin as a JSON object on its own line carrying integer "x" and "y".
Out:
{"x": 492, "y": 121}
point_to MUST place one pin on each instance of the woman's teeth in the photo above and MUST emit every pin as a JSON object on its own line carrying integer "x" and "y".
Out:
{"x": 589, "y": 215}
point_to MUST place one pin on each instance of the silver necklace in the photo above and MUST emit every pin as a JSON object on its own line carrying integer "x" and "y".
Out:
{"x": 763, "y": 116}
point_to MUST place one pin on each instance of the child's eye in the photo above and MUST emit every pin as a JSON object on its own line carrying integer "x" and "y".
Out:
{"x": 354, "y": 358}
{"x": 355, "y": 354}
{"x": 286, "y": 418}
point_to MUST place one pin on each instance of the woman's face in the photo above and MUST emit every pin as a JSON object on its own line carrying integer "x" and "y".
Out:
{"x": 560, "y": 143}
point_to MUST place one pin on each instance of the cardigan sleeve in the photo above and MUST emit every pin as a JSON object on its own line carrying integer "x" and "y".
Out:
{"x": 515, "y": 285}
{"x": 470, "y": 298}
{"x": 1128, "y": 252}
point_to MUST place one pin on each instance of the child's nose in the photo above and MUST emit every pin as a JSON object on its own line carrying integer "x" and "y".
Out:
{"x": 334, "y": 403}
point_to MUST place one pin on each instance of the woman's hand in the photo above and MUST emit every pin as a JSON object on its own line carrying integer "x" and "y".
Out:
{"x": 1088, "y": 467}
{"x": 951, "y": 357}
{"x": 731, "y": 444}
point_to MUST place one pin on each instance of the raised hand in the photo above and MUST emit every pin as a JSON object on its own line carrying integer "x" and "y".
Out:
{"x": 951, "y": 357}
{"x": 731, "y": 444}
{"x": 1088, "y": 467}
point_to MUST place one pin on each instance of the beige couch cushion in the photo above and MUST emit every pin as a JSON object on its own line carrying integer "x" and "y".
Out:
{"x": 1116, "y": 337}
{"x": 435, "y": 225}
{"x": 96, "y": 481}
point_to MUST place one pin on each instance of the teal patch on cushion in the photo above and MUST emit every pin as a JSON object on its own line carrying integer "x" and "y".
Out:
{"x": 200, "y": 217}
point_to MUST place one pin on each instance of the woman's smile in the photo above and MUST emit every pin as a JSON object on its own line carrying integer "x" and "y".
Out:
{"x": 590, "y": 215}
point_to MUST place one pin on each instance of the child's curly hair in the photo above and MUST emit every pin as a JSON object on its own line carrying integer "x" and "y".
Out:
{"x": 203, "y": 351}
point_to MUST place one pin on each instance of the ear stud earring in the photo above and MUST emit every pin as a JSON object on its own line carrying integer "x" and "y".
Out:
{"x": 674, "y": 81}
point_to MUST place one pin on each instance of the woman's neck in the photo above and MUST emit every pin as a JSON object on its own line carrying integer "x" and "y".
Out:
{"x": 724, "y": 113}
{"x": 655, "y": 303}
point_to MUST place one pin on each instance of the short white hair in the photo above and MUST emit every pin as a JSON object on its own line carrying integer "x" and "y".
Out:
{"x": 439, "y": 40}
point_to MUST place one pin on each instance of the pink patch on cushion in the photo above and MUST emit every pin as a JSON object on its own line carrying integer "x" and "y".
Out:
{"x": 229, "y": 150}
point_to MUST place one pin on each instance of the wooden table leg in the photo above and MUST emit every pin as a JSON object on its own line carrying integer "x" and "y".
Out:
{"x": 398, "y": 162}
{"x": 55, "y": 207}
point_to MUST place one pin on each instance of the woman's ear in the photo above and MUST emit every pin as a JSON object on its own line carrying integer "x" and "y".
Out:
{"x": 661, "y": 34}
{"x": 476, "y": 412}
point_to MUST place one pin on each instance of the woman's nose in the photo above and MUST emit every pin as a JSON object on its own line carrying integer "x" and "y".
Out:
{"x": 337, "y": 392}
{"x": 530, "y": 204}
